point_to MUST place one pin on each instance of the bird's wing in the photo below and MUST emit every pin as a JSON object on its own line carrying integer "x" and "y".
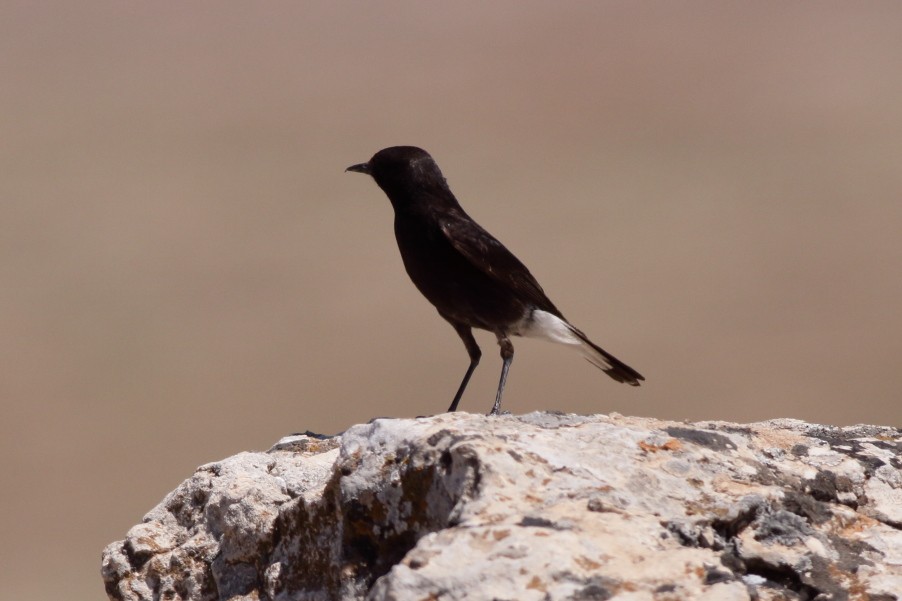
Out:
{"x": 491, "y": 257}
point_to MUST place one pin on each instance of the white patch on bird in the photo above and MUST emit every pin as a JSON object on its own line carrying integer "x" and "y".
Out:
{"x": 541, "y": 324}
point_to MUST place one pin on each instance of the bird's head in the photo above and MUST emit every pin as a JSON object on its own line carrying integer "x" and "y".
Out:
{"x": 404, "y": 173}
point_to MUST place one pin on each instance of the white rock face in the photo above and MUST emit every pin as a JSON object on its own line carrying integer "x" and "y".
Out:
{"x": 535, "y": 507}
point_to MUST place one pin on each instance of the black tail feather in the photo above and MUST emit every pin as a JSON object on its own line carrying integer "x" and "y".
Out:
{"x": 607, "y": 362}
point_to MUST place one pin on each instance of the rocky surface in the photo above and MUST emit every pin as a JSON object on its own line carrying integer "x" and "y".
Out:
{"x": 539, "y": 506}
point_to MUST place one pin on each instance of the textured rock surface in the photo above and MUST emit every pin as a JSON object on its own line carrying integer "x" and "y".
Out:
{"x": 540, "y": 506}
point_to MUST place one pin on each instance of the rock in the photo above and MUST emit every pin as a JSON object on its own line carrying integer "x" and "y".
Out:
{"x": 540, "y": 506}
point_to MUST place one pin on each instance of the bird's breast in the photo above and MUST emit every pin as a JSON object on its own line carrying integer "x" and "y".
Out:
{"x": 458, "y": 289}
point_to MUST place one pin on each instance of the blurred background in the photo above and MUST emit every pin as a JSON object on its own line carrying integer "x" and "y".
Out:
{"x": 712, "y": 191}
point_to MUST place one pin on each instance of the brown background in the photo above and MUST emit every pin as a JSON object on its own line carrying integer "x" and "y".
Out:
{"x": 713, "y": 191}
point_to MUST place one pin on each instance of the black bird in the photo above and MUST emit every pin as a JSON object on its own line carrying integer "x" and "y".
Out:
{"x": 470, "y": 277}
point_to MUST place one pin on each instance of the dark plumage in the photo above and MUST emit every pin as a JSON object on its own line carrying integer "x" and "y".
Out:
{"x": 468, "y": 275}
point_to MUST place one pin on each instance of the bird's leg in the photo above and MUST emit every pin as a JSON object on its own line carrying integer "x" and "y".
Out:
{"x": 466, "y": 334}
{"x": 507, "y": 355}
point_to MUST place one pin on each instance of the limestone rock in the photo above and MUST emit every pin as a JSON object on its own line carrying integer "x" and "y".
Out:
{"x": 535, "y": 507}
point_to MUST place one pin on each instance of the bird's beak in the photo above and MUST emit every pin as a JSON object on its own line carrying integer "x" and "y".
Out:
{"x": 361, "y": 168}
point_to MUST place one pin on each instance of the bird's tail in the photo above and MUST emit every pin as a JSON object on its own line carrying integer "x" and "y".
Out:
{"x": 607, "y": 362}
{"x": 543, "y": 324}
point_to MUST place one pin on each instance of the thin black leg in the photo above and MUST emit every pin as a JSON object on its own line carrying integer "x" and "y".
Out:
{"x": 466, "y": 334}
{"x": 507, "y": 355}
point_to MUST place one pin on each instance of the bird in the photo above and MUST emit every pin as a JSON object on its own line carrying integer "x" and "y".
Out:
{"x": 470, "y": 277}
